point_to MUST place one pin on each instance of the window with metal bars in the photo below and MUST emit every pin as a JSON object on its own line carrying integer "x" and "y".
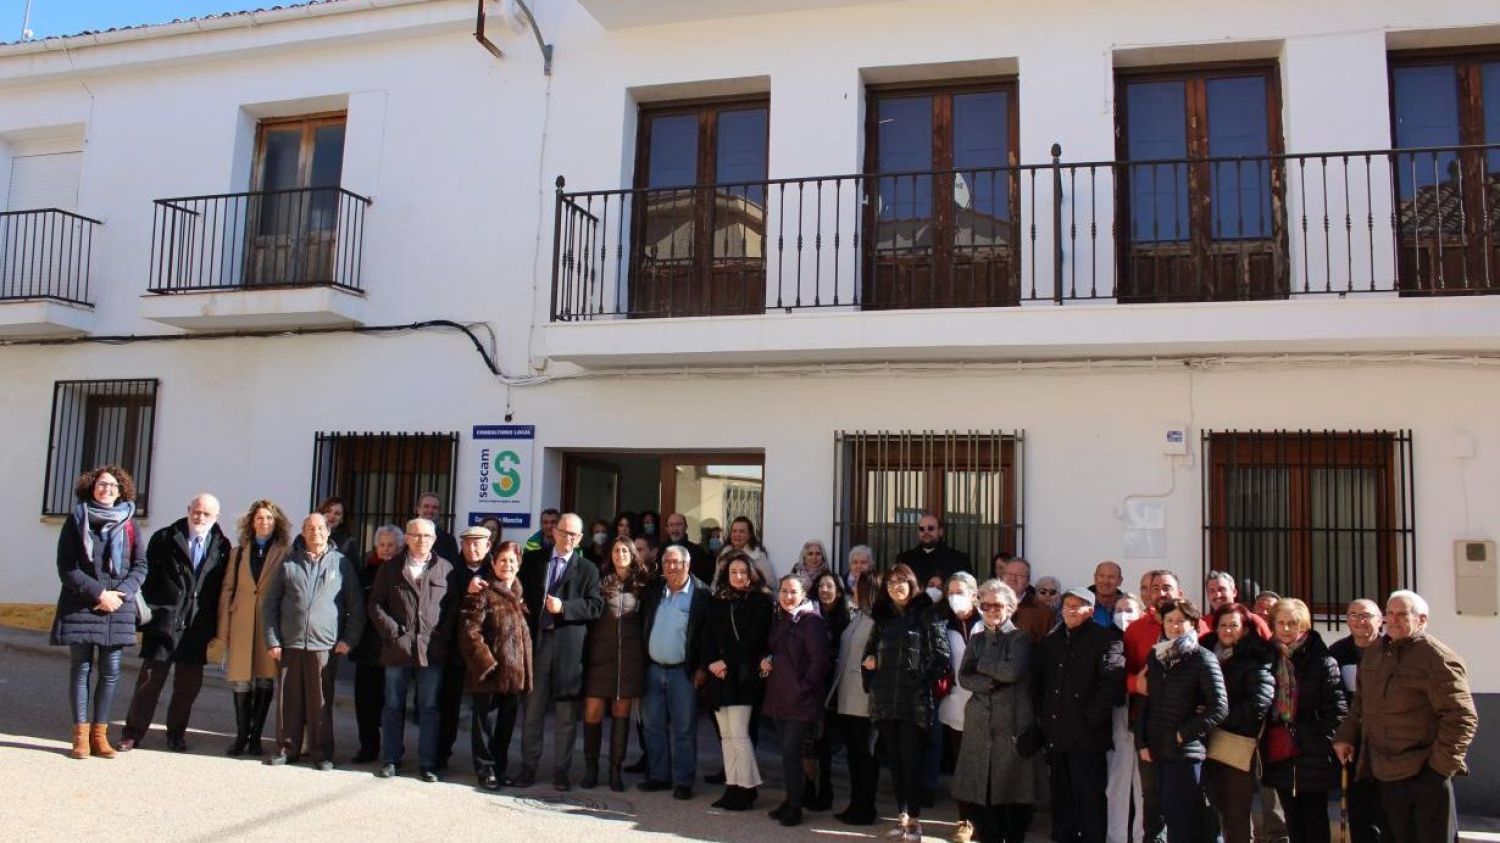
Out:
{"x": 379, "y": 477}
{"x": 99, "y": 423}
{"x": 886, "y": 481}
{"x": 1324, "y": 516}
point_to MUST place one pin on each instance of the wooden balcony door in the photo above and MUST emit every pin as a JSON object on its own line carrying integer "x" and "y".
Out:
{"x": 942, "y": 202}
{"x": 291, "y": 219}
{"x": 699, "y": 218}
{"x": 1447, "y": 202}
{"x": 1196, "y": 229}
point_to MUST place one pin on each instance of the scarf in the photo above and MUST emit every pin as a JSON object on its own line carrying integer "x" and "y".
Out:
{"x": 108, "y": 522}
{"x": 805, "y": 607}
{"x": 1224, "y": 653}
{"x": 1286, "y": 682}
{"x": 1170, "y": 651}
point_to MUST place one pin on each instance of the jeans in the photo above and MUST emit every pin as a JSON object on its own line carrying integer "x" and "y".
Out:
{"x": 932, "y": 754}
{"x": 82, "y": 656}
{"x": 1181, "y": 799}
{"x": 670, "y": 696}
{"x": 393, "y": 716}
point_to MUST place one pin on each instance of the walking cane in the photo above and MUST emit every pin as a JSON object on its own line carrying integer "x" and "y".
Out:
{"x": 1343, "y": 803}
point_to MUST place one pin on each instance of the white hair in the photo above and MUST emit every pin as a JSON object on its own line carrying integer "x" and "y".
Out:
{"x": 1220, "y": 575}
{"x": 970, "y": 584}
{"x": 1418, "y": 603}
{"x": 389, "y": 530}
{"x": 420, "y": 521}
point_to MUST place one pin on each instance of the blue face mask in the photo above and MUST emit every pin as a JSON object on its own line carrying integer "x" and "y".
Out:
{"x": 715, "y": 544}
{"x": 649, "y": 529}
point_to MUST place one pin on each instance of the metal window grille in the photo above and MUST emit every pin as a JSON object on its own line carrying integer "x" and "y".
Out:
{"x": 886, "y": 480}
{"x": 97, "y": 423}
{"x": 1324, "y": 516}
{"x": 380, "y": 475}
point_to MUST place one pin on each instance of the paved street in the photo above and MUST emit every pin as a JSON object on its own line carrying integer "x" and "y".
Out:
{"x": 150, "y": 794}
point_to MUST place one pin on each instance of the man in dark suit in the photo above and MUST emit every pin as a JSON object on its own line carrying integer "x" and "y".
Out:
{"x": 1080, "y": 677}
{"x": 932, "y": 560}
{"x": 700, "y": 561}
{"x": 430, "y": 506}
{"x": 562, "y": 598}
{"x": 186, "y": 562}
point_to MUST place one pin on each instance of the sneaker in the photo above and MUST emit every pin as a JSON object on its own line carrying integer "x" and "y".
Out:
{"x": 280, "y": 759}
{"x": 429, "y": 776}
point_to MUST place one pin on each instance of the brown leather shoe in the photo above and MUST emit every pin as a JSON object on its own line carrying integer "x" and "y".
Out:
{"x": 99, "y": 740}
{"x": 80, "y": 741}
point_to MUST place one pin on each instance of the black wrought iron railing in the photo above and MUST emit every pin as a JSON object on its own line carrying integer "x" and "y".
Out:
{"x": 1409, "y": 222}
{"x": 273, "y": 238}
{"x": 46, "y": 254}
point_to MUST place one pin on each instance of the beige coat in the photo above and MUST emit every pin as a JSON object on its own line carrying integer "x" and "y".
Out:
{"x": 240, "y": 627}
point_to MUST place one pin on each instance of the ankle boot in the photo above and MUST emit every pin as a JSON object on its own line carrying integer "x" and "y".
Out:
{"x": 593, "y": 735}
{"x": 241, "y": 724}
{"x": 731, "y": 795}
{"x": 99, "y": 741}
{"x": 80, "y": 741}
{"x": 619, "y": 739}
{"x": 260, "y": 707}
{"x": 748, "y": 795}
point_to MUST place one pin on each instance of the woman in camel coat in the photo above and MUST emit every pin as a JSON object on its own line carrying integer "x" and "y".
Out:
{"x": 264, "y": 540}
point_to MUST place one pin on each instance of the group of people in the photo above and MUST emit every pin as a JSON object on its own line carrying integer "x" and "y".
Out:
{"x": 1137, "y": 716}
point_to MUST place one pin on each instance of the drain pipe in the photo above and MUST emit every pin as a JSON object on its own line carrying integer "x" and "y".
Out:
{"x": 480, "y": 36}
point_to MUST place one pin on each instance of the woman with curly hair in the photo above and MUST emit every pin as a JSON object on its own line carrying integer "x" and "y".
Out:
{"x": 265, "y": 538}
{"x": 614, "y": 662}
{"x": 101, "y": 561}
{"x": 734, "y": 639}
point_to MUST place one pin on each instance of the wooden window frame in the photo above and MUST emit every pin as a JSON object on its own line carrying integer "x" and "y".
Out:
{"x": 943, "y": 250}
{"x": 309, "y": 124}
{"x": 1299, "y": 453}
{"x": 1201, "y": 246}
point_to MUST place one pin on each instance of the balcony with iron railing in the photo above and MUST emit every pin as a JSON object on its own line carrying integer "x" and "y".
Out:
{"x": 46, "y": 258}
{"x": 1108, "y": 257}
{"x": 259, "y": 259}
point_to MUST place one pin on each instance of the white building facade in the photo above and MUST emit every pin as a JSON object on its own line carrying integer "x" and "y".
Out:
{"x": 811, "y": 262}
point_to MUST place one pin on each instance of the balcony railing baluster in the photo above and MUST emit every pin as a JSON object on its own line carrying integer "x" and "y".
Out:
{"x": 304, "y": 237}
{"x": 46, "y": 253}
{"x": 951, "y": 239}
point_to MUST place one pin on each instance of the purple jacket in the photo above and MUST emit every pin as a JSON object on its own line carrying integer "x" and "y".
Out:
{"x": 801, "y": 663}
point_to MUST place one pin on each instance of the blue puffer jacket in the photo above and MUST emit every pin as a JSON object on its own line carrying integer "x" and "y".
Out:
{"x": 76, "y": 621}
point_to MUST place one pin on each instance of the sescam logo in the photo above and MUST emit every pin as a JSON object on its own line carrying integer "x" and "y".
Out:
{"x": 508, "y": 479}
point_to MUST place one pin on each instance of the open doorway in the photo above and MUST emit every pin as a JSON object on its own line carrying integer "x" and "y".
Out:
{"x": 709, "y": 489}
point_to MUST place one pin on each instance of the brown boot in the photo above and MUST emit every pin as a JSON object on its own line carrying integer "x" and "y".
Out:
{"x": 99, "y": 740}
{"x": 80, "y": 741}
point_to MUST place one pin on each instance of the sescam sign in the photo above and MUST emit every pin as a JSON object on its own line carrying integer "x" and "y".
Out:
{"x": 499, "y": 476}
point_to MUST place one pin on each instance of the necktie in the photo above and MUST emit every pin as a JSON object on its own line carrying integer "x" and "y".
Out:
{"x": 195, "y": 547}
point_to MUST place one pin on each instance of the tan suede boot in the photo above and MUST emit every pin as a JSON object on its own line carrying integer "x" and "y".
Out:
{"x": 80, "y": 741}
{"x": 99, "y": 740}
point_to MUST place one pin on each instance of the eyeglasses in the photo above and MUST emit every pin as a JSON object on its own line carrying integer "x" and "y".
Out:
{"x": 428, "y": 536}
{"x": 1046, "y": 592}
{"x": 1362, "y": 616}
{"x": 991, "y": 607}
{"x": 105, "y": 484}
{"x": 931, "y": 529}
{"x": 572, "y": 535}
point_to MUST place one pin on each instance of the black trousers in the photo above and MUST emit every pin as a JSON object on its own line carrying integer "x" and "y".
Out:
{"x": 369, "y": 699}
{"x": 450, "y": 707}
{"x": 1366, "y": 813}
{"x": 998, "y": 823}
{"x": 148, "y": 687}
{"x": 905, "y": 742}
{"x": 792, "y": 734}
{"x": 492, "y": 722}
{"x": 1421, "y": 808}
{"x": 1079, "y": 808}
{"x": 1306, "y": 815}
{"x": 864, "y": 772}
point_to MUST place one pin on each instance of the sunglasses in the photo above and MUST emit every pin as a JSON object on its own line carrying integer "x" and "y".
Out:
{"x": 991, "y": 607}
{"x": 927, "y": 529}
{"x": 1046, "y": 592}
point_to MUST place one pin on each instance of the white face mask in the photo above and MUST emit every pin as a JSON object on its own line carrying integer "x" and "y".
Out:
{"x": 1123, "y": 619}
{"x": 961, "y": 604}
{"x": 935, "y": 594}
{"x": 601, "y": 538}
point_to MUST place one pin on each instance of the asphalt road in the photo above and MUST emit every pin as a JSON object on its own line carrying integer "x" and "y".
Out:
{"x": 152, "y": 794}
